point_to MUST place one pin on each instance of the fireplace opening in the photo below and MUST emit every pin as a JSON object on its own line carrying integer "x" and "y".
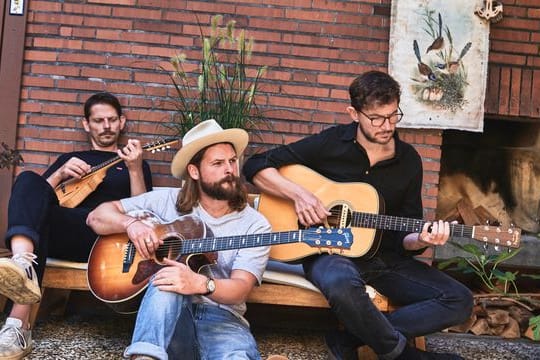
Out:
{"x": 497, "y": 170}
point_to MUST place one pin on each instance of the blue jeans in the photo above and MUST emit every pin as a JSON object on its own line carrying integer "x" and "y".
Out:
{"x": 56, "y": 231}
{"x": 169, "y": 326}
{"x": 430, "y": 300}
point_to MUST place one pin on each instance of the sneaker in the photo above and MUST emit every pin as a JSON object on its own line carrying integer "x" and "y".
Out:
{"x": 18, "y": 279}
{"x": 412, "y": 353}
{"x": 337, "y": 348}
{"x": 15, "y": 342}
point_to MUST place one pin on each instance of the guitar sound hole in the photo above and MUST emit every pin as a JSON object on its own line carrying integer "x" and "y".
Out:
{"x": 168, "y": 250}
{"x": 338, "y": 213}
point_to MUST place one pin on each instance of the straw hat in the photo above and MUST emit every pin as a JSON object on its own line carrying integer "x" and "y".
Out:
{"x": 204, "y": 134}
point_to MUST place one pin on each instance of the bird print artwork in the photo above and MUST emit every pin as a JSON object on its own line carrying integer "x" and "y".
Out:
{"x": 424, "y": 69}
{"x": 439, "y": 78}
{"x": 438, "y": 43}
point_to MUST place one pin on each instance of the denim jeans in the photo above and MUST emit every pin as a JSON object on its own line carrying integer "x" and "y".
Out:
{"x": 56, "y": 231}
{"x": 430, "y": 300}
{"x": 168, "y": 326}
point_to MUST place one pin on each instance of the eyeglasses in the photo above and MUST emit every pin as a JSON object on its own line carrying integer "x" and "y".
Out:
{"x": 378, "y": 120}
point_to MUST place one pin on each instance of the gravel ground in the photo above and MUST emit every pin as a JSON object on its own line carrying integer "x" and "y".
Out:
{"x": 98, "y": 337}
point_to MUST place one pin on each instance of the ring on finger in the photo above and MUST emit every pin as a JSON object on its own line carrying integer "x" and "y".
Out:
{"x": 148, "y": 240}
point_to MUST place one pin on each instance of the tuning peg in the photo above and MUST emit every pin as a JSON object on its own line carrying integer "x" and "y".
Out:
{"x": 485, "y": 246}
{"x": 497, "y": 248}
{"x": 153, "y": 151}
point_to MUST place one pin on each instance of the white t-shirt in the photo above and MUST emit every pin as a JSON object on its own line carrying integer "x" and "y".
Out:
{"x": 248, "y": 221}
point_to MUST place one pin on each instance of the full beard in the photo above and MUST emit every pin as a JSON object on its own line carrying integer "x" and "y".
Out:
{"x": 218, "y": 191}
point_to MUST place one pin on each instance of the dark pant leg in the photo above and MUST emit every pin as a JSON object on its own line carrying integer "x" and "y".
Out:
{"x": 56, "y": 231}
{"x": 343, "y": 285}
{"x": 424, "y": 292}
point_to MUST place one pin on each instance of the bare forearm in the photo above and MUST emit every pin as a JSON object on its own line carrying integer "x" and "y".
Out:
{"x": 137, "y": 184}
{"x": 272, "y": 182}
{"x": 108, "y": 218}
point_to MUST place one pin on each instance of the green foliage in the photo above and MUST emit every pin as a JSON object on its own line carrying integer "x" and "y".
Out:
{"x": 485, "y": 267}
{"x": 9, "y": 157}
{"x": 534, "y": 322}
{"x": 224, "y": 88}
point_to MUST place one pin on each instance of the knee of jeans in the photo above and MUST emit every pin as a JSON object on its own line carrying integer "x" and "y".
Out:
{"x": 461, "y": 302}
{"x": 339, "y": 284}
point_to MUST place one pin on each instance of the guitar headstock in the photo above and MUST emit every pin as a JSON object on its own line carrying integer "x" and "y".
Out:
{"x": 498, "y": 235}
{"x": 160, "y": 145}
{"x": 338, "y": 238}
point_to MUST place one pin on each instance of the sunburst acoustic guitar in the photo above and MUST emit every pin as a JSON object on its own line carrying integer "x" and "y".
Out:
{"x": 357, "y": 205}
{"x": 118, "y": 275}
{"x": 72, "y": 192}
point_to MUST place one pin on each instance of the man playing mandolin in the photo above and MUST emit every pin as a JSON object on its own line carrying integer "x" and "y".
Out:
{"x": 39, "y": 227}
{"x": 369, "y": 150}
{"x": 204, "y": 310}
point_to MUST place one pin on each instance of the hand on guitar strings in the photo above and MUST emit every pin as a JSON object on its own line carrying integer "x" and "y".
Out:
{"x": 179, "y": 278}
{"x": 309, "y": 208}
{"x": 73, "y": 168}
{"x": 143, "y": 237}
{"x": 132, "y": 154}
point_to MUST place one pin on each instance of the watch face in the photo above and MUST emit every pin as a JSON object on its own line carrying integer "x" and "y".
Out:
{"x": 210, "y": 286}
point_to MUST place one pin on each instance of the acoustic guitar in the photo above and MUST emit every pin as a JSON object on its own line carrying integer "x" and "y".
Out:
{"x": 357, "y": 205}
{"x": 118, "y": 275}
{"x": 73, "y": 191}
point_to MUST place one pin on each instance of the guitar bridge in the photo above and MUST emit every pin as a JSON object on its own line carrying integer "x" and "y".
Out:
{"x": 129, "y": 255}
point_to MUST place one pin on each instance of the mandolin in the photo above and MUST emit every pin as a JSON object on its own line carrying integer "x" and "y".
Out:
{"x": 357, "y": 205}
{"x": 73, "y": 191}
{"x": 118, "y": 275}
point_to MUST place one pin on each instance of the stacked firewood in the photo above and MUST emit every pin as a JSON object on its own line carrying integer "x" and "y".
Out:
{"x": 504, "y": 317}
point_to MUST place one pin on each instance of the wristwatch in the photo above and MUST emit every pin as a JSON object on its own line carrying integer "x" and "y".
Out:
{"x": 210, "y": 286}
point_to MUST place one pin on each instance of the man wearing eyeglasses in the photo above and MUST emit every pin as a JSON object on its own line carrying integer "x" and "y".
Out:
{"x": 369, "y": 150}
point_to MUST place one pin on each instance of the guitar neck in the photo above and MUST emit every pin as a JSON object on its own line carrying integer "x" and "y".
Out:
{"x": 211, "y": 244}
{"x": 396, "y": 223}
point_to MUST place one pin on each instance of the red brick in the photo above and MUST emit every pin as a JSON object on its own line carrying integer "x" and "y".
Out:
{"x": 93, "y": 10}
{"x": 47, "y": 6}
{"x": 82, "y": 58}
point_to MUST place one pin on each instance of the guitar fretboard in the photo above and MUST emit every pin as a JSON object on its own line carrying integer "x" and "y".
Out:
{"x": 395, "y": 223}
{"x": 210, "y": 244}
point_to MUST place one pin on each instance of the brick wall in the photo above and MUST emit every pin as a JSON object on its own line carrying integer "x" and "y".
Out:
{"x": 313, "y": 49}
{"x": 514, "y": 62}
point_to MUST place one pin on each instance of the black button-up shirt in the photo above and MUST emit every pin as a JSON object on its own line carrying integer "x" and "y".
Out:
{"x": 335, "y": 154}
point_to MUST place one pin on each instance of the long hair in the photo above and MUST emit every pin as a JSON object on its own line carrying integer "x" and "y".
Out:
{"x": 190, "y": 193}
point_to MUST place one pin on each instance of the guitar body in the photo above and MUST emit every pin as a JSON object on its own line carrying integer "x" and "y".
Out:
{"x": 353, "y": 196}
{"x": 118, "y": 275}
{"x": 72, "y": 193}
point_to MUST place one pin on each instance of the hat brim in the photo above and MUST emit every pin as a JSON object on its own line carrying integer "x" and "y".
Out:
{"x": 237, "y": 137}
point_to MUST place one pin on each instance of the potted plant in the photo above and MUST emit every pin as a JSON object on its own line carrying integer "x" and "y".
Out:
{"x": 9, "y": 157}
{"x": 225, "y": 86}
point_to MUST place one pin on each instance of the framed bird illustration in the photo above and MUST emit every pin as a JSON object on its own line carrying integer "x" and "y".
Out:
{"x": 438, "y": 53}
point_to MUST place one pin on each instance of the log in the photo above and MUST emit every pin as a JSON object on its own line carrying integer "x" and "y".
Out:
{"x": 511, "y": 330}
{"x": 481, "y": 327}
{"x": 497, "y": 317}
{"x": 466, "y": 326}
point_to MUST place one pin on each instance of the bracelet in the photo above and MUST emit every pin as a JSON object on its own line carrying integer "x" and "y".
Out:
{"x": 131, "y": 222}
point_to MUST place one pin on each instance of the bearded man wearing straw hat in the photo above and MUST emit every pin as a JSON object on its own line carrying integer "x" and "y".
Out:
{"x": 204, "y": 312}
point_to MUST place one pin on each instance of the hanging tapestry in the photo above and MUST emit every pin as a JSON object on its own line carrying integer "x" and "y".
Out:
{"x": 439, "y": 54}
